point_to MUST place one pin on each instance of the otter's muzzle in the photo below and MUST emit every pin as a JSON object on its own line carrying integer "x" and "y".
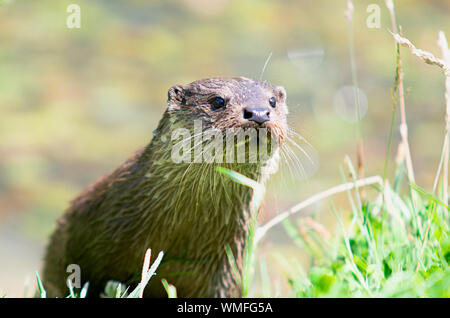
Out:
{"x": 257, "y": 114}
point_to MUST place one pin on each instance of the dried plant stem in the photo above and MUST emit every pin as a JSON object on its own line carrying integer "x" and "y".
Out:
{"x": 391, "y": 132}
{"x": 145, "y": 267}
{"x": 425, "y": 56}
{"x": 401, "y": 94}
{"x": 442, "y": 42}
{"x": 359, "y": 141}
{"x": 264, "y": 67}
{"x": 444, "y": 64}
{"x": 262, "y": 230}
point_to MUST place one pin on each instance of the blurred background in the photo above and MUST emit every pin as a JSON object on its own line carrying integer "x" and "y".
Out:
{"x": 75, "y": 103}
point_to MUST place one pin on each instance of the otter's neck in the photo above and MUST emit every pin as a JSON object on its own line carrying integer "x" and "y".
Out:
{"x": 191, "y": 211}
{"x": 197, "y": 192}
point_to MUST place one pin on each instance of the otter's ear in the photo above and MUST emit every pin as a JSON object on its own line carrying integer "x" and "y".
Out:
{"x": 176, "y": 96}
{"x": 280, "y": 93}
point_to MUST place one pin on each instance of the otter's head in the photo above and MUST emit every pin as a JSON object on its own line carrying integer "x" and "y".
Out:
{"x": 230, "y": 103}
{"x": 241, "y": 110}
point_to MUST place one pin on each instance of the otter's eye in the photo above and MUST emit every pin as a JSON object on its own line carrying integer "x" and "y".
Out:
{"x": 217, "y": 103}
{"x": 273, "y": 102}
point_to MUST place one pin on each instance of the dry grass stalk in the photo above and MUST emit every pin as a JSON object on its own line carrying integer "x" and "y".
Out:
{"x": 348, "y": 14}
{"x": 425, "y": 56}
{"x": 442, "y": 42}
{"x": 262, "y": 230}
{"x": 403, "y": 125}
{"x": 145, "y": 267}
{"x": 444, "y": 64}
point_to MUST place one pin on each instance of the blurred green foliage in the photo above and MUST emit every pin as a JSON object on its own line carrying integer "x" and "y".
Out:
{"x": 378, "y": 254}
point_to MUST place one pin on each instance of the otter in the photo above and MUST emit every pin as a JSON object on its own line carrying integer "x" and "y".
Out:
{"x": 188, "y": 210}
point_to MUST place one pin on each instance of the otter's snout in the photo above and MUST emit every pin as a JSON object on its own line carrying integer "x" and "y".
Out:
{"x": 257, "y": 114}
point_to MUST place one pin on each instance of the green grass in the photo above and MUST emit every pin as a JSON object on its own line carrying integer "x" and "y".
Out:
{"x": 389, "y": 248}
{"x": 115, "y": 289}
{"x": 392, "y": 250}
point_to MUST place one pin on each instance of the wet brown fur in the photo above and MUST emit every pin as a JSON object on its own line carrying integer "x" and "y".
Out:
{"x": 189, "y": 211}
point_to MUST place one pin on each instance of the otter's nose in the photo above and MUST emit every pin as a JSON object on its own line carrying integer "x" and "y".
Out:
{"x": 257, "y": 114}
